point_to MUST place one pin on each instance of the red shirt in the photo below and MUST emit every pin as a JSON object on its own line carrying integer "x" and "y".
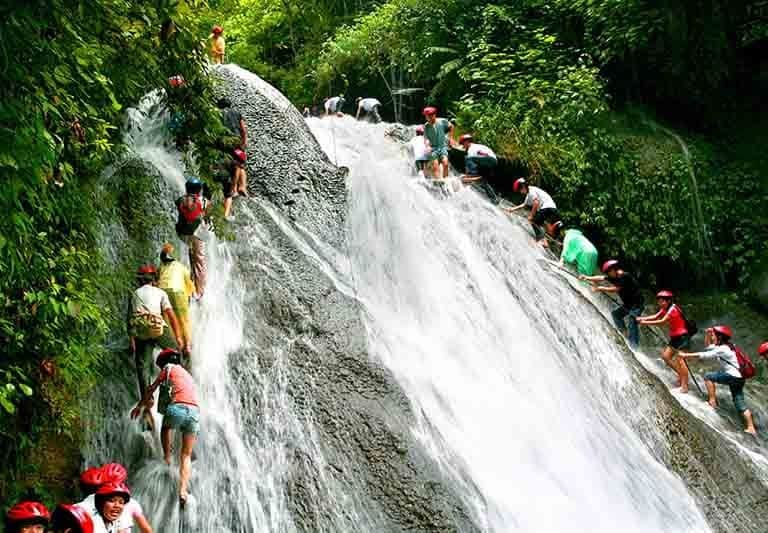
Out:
{"x": 676, "y": 322}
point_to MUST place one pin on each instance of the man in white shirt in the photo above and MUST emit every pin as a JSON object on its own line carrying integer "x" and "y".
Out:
{"x": 334, "y": 105}
{"x": 419, "y": 151}
{"x": 543, "y": 208}
{"x": 370, "y": 109}
{"x": 479, "y": 163}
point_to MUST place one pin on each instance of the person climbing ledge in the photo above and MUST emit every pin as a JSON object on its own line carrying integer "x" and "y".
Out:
{"x": 419, "y": 151}
{"x": 541, "y": 204}
{"x": 27, "y": 517}
{"x": 577, "y": 249}
{"x": 218, "y": 45}
{"x": 479, "y": 163}
{"x": 735, "y": 369}
{"x": 679, "y": 335}
{"x": 233, "y": 121}
{"x": 334, "y": 106}
{"x": 176, "y": 280}
{"x": 177, "y": 402}
{"x": 628, "y": 288}
{"x": 438, "y": 133}
{"x": 192, "y": 209}
{"x": 370, "y": 109}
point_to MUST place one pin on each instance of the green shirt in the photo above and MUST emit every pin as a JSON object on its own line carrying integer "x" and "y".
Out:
{"x": 437, "y": 133}
{"x": 577, "y": 249}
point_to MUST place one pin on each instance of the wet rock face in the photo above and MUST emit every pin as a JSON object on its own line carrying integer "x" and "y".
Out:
{"x": 301, "y": 324}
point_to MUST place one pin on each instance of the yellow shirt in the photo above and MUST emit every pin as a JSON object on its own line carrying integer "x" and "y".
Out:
{"x": 175, "y": 276}
{"x": 217, "y": 45}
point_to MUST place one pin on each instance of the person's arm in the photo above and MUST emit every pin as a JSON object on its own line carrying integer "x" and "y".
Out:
{"x": 243, "y": 133}
{"x": 593, "y": 279}
{"x": 142, "y": 523}
{"x": 170, "y": 316}
{"x": 513, "y": 209}
{"x": 146, "y": 399}
{"x": 605, "y": 288}
{"x": 654, "y": 320}
{"x": 359, "y": 107}
{"x": 534, "y": 209}
{"x": 451, "y": 140}
{"x": 470, "y": 179}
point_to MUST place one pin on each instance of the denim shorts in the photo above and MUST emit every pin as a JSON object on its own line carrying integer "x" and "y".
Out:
{"x": 680, "y": 342}
{"x": 185, "y": 418}
{"x": 438, "y": 153}
{"x": 735, "y": 384}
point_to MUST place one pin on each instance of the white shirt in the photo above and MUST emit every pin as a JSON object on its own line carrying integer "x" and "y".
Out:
{"x": 545, "y": 200}
{"x": 331, "y": 104}
{"x": 150, "y": 298}
{"x": 729, "y": 363}
{"x": 367, "y": 104}
{"x": 131, "y": 509}
{"x": 418, "y": 148}
{"x": 480, "y": 150}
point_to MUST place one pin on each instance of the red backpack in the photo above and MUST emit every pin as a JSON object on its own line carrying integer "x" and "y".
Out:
{"x": 746, "y": 367}
{"x": 191, "y": 213}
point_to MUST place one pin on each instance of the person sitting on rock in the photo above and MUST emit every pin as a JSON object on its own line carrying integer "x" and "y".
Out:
{"x": 176, "y": 280}
{"x": 370, "y": 109}
{"x": 192, "y": 208}
{"x": 218, "y": 45}
{"x": 628, "y": 288}
{"x": 720, "y": 347}
{"x": 479, "y": 163}
{"x": 541, "y": 204}
{"x": 577, "y": 249}
{"x": 27, "y": 517}
{"x": 334, "y": 106}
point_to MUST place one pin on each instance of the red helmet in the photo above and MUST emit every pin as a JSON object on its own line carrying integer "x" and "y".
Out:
{"x": 429, "y": 110}
{"x": 665, "y": 294}
{"x": 723, "y": 330}
{"x": 91, "y": 479}
{"x": 217, "y": 29}
{"x": 420, "y": 130}
{"x": 29, "y": 513}
{"x": 176, "y": 81}
{"x": 240, "y": 155}
{"x": 74, "y": 517}
{"x": 168, "y": 355}
{"x": 763, "y": 349}
{"x": 519, "y": 182}
{"x": 147, "y": 270}
{"x": 611, "y": 263}
{"x": 114, "y": 473}
{"x": 465, "y": 138}
{"x": 114, "y": 489}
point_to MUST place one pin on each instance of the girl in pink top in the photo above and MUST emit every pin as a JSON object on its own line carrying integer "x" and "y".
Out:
{"x": 669, "y": 313}
{"x": 182, "y": 413}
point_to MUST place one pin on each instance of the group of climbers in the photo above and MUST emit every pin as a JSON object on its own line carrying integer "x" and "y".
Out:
{"x": 107, "y": 507}
{"x": 367, "y": 108}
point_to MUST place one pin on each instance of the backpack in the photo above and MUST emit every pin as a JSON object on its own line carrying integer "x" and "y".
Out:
{"x": 690, "y": 325}
{"x": 746, "y": 368}
{"x": 191, "y": 213}
{"x": 165, "y": 393}
{"x": 144, "y": 324}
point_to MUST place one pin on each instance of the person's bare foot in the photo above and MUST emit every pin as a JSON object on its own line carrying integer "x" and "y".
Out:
{"x": 683, "y": 390}
{"x": 712, "y": 403}
{"x": 751, "y": 431}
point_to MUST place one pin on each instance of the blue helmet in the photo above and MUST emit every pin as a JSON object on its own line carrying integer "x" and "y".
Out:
{"x": 193, "y": 184}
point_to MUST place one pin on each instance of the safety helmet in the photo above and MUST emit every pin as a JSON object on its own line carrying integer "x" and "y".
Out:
{"x": 240, "y": 155}
{"x": 608, "y": 265}
{"x": 176, "y": 81}
{"x": 725, "y": 331}
{"x": 168, "y": 356}
{"x": 193, "y": 185}
{"x": 217, "y": 29}
{"x": 665, "y": 294}
{"x": 28, "y": 513}
{"x": 147, "y": 271}
{"x": 557, "y": 226}
{"x": 114, "y": 473}
{"x": 519, "y": 182}
{"x": 420, "y": 130}
{"x": 429, "y": 110}
{"x": 111, "y": 488}
{"x": 166, "y": 253}
{"x": 74, "y": 517}
{"x": 763, "y": 349}
{"x": 465, "y": 138}
{"x": 93, "y": 478}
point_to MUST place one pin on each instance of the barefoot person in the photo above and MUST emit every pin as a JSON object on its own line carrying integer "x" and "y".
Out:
{"x": 719, "y": 346}
{"x": 438, "y": 133}
{"x": 670, "y": 314}
{"x": 181, "y": 412}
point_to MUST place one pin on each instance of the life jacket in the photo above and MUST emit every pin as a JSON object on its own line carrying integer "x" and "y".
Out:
{"x": 191, "y": 212}
{"x": 746, "y": 368}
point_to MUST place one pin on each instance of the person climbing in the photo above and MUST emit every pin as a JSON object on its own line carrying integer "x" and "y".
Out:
{"x": 174, "y": 278}
{"x": 720, "y": 347}
{"x": 217, "y": 44}
{"x": 114, "y": 473}
{"x": 150, "y": 313}
{"x": 239, "y": 177}
{"x": 234, "y": 122}
{"x": 439, "y": 135}
{"x": 68, "y": 518}
{"x": 762, "y": 351}
{"x": 110, "y": 501}
{"x": 335, "y": 105}
{"x": 577, "y": 249}
{"x": 679, "y": 338}
{"x": 626, "y": 286}
{"x": 191, "y": 227}
{"x": 479, "y": 163}
{"x": 541, "y": 204}
{"x": 27, "y": 517}
{"x": 418, "y": 148}
{"x": 370, "y": 109}
{"x": 181, "y": 413}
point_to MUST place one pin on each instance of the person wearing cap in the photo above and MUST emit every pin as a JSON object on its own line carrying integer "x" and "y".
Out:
{"x": 149, "y": 314}
{"x": 628, "y": 289}
{"x": 115, "y": 473}
{"x": 479, "y": 163}
{"x": 218, "y": 45}
{"x": 175, "y": 279}
{"x": 670, "y": 314}
{"x": 182, "y": 413}
{"x": 27, "y": 517}
{"x": 720, "y": 347}
{"x": 439, "y": 134}
{"x": 419, "y": 151}
{"x": 192, "y": 228}
{"x": 577, "y": 249}
{"x": 370, "y": 109}
{"x": 68, "y": 518}
{"x": 109, "y": 503}
{"x": 334, "y": 105}
{"x": 541, "y": 204}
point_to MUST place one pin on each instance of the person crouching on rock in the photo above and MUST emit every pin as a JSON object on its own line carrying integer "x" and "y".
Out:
{"x": 541, "y": 204}
{"x": 478, "y": 164}
{"x": 679, "y": 339}
{"x": 176, "y": 280}
{"x": 719, "y": 346}
{"x": 577, "y": 249}
{"x": 192, "y": 209}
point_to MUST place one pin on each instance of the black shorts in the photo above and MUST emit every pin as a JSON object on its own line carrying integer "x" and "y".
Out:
{"x": 680, "y": 342}
{"x": 548, "y": 214}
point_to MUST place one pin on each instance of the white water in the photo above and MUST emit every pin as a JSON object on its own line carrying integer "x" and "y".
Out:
{"x": 525, "y": 401}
